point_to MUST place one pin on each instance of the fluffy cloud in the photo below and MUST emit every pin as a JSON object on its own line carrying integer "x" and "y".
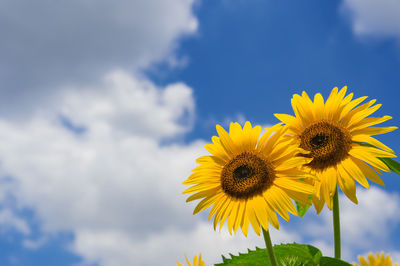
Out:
{"x": 115, "y": 175}
{"x": 364, "y": 227}
{"x": 46, "y": 44}
{"x": 374, "y": 18}
{"x": 170, "y": 245}
{"x": 129, "y": 106}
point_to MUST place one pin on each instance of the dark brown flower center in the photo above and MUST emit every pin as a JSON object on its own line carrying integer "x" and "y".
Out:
{"x": 246, "y": 175}
{"x": 328, "y": 143}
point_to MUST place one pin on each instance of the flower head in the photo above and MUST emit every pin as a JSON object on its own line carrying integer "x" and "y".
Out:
{"x": 197, "y": 261}
{"x": 338, "y": 136}
{"x": 247, "y": 178}
{"x": 378, "y": 260}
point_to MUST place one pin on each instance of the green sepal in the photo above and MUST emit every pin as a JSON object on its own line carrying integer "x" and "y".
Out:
{"x": 302, "y": 208}
{"x": 392, "y": 164}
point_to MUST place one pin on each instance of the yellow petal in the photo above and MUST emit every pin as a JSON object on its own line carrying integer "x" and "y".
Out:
{"x": 347, "y": 184}
{"x": 244, "y": 225}
{"x": 226, "y": 141}
{"x": 294, "y": 185}
{"x": 372, "y": 141}
{"x": 267, "y": 134}
{"x": 319, "y": 105}
{"x": 363, "y": 114}
{"x": 202, "y": 194}
{"x": 355, "y": 172}
{"x": 331, "y": 104}
{"x": 292, "y": 163}
{"x": 373, "y": 130}
{"x": 239, "y": 216}
{"x": 368, "y": 172}
{"x": 276, "y": 204}
{"x": 236, "y": 133}
{"x": 233, "y": 215}
{"x": 351, "y": 105}
{"x": 201, "y": 187}
{"x": 272, "y": 217}
{"x": 218, "y": 151}
{"x": 285, "y": 200}
{"x": 205, "y": 203}
{"x": 225, "y": 213}
{"x": 366, "y": 157}
{"x": 318, "y": 203}
{"x": 261, "y": 212}
{"x": 291, "y": 121}
{"x": 217, "y": 207}
{"x": 300, "y": 111}
{"x": 356, "y": 111}
{"x": 369, "y": 121}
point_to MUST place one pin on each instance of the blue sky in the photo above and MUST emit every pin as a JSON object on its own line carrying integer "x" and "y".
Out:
{"x": 105, "y": 106}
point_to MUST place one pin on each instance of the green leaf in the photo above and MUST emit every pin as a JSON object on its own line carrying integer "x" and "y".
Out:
{"x": 328, "y": 261}
{"x": 253, "y": 257}
{"x": 392, "y": 164}
{"x": 286, "y": 255}
{"x": 306, "y": 254}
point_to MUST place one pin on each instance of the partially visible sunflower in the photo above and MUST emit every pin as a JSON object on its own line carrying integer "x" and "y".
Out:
{"x": 335, "y": 134}
{"x": 197, "y": 261}
{"x": 378, "y": 260}
{"x": 247, "y": 178}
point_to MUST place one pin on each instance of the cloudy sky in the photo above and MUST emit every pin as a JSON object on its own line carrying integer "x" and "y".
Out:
{"x": 104, "y": 105}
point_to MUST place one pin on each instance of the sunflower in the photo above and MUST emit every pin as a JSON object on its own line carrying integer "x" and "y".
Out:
{"x": 197, "y": 261}
{"x": 338, "y": 135}
{"x": 248, "y": 178}
{"x": 378, "y": 260}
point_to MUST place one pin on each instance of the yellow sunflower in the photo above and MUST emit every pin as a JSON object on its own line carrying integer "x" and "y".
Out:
{"x": 248, "y": 178}
{"x": 197, "y": 261}
{"x": 378, "y": 260}
{"x": 336, "y": 134}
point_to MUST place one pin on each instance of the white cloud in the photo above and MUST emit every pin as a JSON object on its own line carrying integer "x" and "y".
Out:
{"x": 170, "y": 245}
{"x": 363, "y": 227}
{"x": 374, "y": 18}
{"x": 395, "y": 255}
{"x": 8, "y": 220}
{"x": 116, "y": 176}
{"x": 131, "y": 106}
{"x": 48, "y": 44}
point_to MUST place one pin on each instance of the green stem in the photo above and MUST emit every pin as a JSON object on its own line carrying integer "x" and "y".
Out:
{"x": 268, "y": 243}
{"x": 336, "y": 224}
